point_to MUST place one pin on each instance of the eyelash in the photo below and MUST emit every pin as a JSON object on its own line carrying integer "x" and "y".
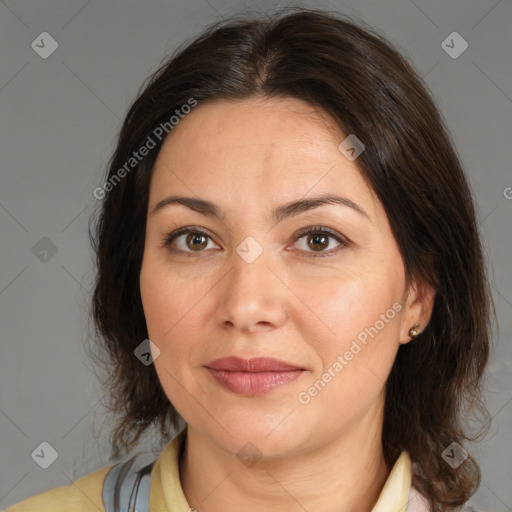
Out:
{"x": 169, "y": 237}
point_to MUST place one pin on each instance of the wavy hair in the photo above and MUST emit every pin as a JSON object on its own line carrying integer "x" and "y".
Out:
{"x": 357, "y": 77}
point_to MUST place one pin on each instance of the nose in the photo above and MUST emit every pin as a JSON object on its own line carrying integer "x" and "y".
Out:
{"x": 252, "y": 296}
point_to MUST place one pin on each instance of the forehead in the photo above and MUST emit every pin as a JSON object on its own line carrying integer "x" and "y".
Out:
{"x": 255, "y": 149}
{"x": 281, "y": 127}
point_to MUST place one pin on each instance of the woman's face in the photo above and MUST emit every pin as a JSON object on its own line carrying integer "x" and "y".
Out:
{"x": 254, "y": 284}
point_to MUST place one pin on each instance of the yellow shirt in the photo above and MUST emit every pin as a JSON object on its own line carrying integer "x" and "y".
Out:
{"x": 166, "y": 495}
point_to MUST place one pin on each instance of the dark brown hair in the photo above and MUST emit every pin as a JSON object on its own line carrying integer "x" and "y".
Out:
{"x": 353, "y": 74}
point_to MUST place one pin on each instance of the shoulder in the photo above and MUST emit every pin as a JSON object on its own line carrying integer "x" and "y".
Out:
{"x": 83, "y": 495}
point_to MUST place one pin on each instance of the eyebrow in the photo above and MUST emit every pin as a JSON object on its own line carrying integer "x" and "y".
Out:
{"x": 279, "y": 214}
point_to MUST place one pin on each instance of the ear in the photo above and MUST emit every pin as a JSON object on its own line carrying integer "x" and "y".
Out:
{"x": 419, "y": 304}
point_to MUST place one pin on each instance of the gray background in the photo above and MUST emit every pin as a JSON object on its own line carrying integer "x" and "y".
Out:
{"x": 59, "y": 119}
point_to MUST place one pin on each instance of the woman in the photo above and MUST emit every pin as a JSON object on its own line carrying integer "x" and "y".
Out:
{"x": 285, "y": 218}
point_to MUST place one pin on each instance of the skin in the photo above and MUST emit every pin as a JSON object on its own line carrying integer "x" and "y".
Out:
{"x": 249, "y": 157}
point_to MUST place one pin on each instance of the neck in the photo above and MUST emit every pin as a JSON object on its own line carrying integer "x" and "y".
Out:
{"x": 347, "y": 472}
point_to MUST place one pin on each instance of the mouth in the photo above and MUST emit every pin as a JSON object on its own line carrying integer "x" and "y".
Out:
{"x": 255, "y": 376}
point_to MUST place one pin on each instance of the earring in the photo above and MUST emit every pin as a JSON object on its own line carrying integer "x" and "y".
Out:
{"x": 413, "y": 332}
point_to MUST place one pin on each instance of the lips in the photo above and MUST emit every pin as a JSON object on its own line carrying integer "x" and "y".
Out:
{"x": 251, "y": 377}
{"x": 253, "y": 365}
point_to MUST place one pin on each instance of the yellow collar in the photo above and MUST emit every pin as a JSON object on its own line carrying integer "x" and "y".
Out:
{"x": 393, "y": 497}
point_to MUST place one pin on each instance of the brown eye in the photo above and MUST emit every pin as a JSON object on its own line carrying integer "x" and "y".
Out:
{"x": 318, "y": 240}
{"x": 187, "y": 241}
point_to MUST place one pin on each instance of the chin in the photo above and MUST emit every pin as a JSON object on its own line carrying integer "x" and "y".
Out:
{"x": 254, "y": 439}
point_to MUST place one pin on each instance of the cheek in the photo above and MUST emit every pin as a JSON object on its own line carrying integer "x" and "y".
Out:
{"x": 353, "y": 327}
{"x": 354, "y": 344}
{"x": 172, "y": 308}
{"x": 340, "y": 308}
{"x": 163, "y": 309}
{"x": 165, "y": 301}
